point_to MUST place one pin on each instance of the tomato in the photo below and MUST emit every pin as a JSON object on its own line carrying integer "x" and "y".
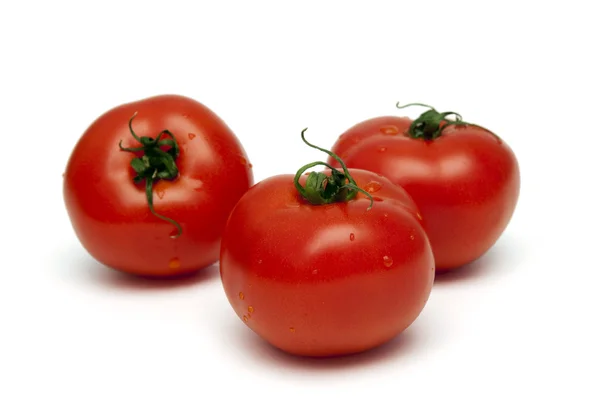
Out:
{"x": 150, "y": 184}
{"x": 326, "y": 277}
{"x": 464, "y": 179}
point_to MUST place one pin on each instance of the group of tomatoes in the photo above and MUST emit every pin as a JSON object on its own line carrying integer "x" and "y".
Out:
{"x": 318, "y": 263}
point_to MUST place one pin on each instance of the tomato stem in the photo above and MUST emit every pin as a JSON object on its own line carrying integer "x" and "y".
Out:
{"x": 155, "y": 164}
{"x": 430, "y": 124}
{"x": 324, "y": 189}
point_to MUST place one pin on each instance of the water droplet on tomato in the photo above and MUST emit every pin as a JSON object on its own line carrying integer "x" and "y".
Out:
{"x": 186, "y": 115}
{"x": 372, "y": 187}
{"x": 160, "y": 193}
{"x": 377, "y": 199}
{"x": 293, "y": 204}
{"x": 174, "y": 233}
{"x": 174, "y": 263}
{"x": 315, "y": 272}
{"x": 243, "y": 160}
{"x": 292, "y": 329}
{"x": 191, "y": 136}
{"x": 351, "y": 237}
{"x": 419, "y": 216}
{"x": 412, "y": 236}
{"x": 260, "y": 261}
{"x": 387, "y": 261}
{"x": 245, "y": 318}
{"x": 250, "y": 165}
{"x": 241, "y": 295}
{"x": 389, "y": 130}
{"x": 250, "y": 309}
{"x": 382, "y": 149}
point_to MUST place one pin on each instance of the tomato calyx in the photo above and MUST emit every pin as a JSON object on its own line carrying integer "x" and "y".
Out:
{"x": 155, "y": 164}
{"x": 321, "y": 188}
{"x": 432, "y": 123}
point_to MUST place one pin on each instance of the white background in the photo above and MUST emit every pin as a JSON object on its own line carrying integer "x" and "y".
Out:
{"x": 522, "y": 320}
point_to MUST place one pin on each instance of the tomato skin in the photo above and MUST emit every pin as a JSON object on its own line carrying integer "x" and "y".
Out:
{"x": 110, "y": 213}
{"x": 466, "y": 182}
{"x": 330, "y": 279}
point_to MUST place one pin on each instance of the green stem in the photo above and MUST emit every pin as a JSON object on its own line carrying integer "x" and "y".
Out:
{"x": 149, "y": 197}
{"x": 321, "y": 188}
{"x": 430, "y": 124}
{"x": 412, "y": 104}
{"x": 155, "y": 164}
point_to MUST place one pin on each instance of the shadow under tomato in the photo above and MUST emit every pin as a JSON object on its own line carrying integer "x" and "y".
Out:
{"x": 126, "y": 281}
{"x": 261, "y": 351}
{"x": 476, "y": 269}
{"x": 500, "y": 260}
{"x": 84, "y": 269}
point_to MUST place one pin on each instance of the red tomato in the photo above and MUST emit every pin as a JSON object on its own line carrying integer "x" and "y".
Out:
{"x": 158, "y": 212}
{"x": 329, "y": 279}
{"x": 464, "y": 179}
